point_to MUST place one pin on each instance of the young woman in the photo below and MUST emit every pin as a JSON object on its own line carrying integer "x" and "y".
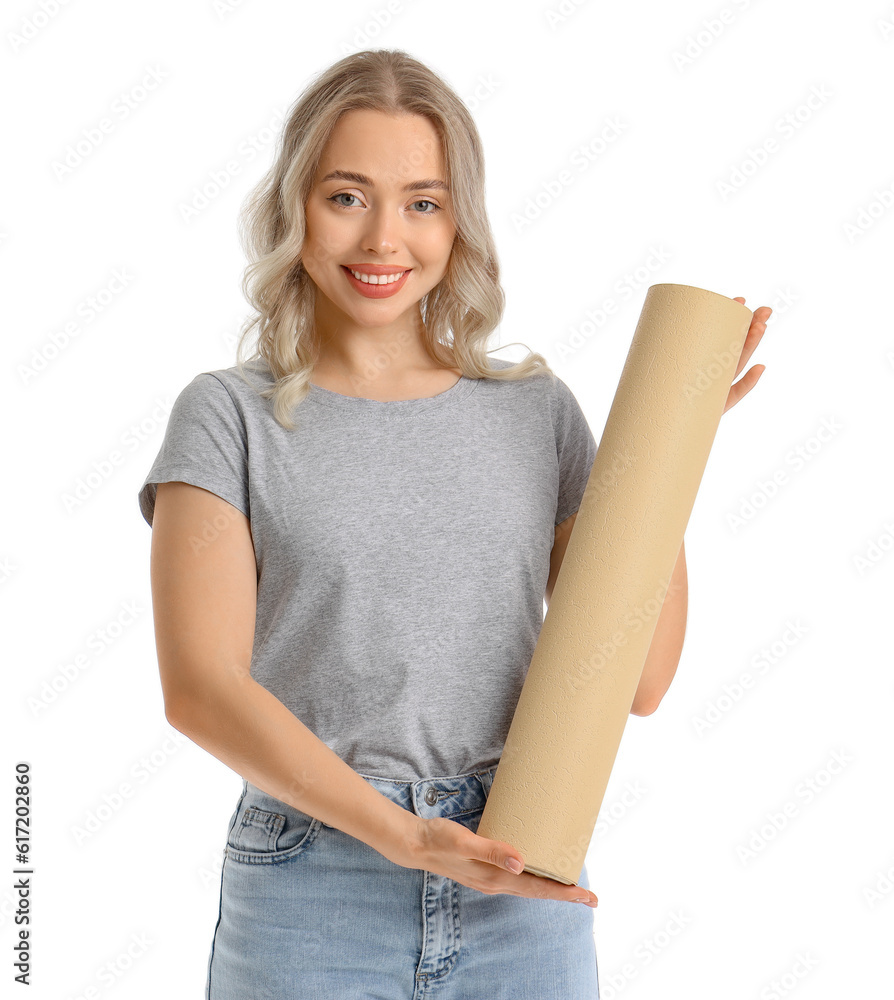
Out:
{"x": 353, "y": 533}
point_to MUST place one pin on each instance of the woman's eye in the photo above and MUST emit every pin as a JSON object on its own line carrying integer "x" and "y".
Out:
{"x": 343, "y": 194}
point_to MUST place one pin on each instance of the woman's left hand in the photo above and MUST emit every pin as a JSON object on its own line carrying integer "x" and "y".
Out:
{"x": 749, "y": 380}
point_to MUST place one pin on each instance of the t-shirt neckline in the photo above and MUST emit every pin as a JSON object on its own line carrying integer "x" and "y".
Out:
{"x": 394, "y": 407}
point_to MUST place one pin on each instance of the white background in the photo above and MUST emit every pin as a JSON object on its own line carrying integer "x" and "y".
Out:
{"x": 702, "y": 894}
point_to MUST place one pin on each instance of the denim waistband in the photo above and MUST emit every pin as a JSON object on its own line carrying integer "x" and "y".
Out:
{"x": 449, "y": 796}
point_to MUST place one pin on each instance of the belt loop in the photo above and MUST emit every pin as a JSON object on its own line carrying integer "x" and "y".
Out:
{"x": 487, "y": 779}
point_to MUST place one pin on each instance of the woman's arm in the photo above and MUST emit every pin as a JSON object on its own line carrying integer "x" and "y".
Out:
{"x": 667, "y": 641}
{"x": 204, "y": 600}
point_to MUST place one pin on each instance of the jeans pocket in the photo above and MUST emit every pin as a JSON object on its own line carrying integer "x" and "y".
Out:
{"x": 270, "y": 832}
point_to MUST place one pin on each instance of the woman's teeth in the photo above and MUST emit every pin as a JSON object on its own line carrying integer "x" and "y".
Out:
{"x": 377, "y": 279}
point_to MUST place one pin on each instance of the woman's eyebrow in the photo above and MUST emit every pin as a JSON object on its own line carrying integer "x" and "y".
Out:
{"x": 350, "y": 175}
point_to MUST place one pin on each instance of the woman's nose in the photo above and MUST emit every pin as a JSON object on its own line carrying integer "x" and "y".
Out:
{"x": 382, "y": 230}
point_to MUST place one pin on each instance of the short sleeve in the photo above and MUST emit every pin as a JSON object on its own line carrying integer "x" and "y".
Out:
{"x": 205, "y": 444}
{"x": 576, "y": 450}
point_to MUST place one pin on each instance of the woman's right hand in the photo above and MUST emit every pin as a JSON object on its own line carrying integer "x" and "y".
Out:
{"x": 448, "y": 848}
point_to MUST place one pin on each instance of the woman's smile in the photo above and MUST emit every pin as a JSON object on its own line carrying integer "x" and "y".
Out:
{"x": 376, "y": 285}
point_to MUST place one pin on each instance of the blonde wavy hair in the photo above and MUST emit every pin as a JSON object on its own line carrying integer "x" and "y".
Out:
{"x": 458, "y": 314}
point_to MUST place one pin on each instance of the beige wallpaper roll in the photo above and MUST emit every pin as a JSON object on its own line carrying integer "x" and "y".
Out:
{"x": 577, "y": 695}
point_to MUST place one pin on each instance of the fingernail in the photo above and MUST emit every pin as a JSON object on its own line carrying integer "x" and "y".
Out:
{"x": 513, "y": 866}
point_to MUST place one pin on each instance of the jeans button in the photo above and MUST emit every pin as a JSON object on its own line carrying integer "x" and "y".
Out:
{"x": 431, "y": 796}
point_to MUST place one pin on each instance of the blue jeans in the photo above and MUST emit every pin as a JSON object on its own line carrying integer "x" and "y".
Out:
{"x": 309, "y": 911}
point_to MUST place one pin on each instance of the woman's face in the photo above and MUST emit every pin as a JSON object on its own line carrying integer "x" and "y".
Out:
{"x": 392, "y": 214}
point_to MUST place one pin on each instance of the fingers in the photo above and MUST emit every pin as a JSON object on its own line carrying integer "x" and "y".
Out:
{"x": 547, "y": 888}
{"x": 449, "y": 848}
{"x": 532, "y": 886}
{"x": 749, "y": 379}
{"x": 523, "y": 883}
{"x": 745, "y": 384}
{"x": 504, "y": 855}
{"x": 766, "y": 310}
{"x": 755, "y": 331}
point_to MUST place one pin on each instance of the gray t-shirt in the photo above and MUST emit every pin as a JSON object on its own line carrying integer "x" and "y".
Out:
{"x": 402, "y": 550}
